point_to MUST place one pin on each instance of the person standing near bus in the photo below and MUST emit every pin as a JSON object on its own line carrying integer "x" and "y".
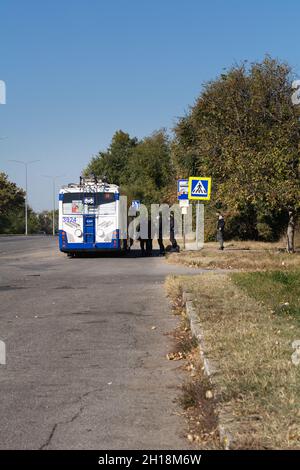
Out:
{"x": 220, "y": 230}
{"x": 146, "y": 241}
{"x": 174, "y": 244}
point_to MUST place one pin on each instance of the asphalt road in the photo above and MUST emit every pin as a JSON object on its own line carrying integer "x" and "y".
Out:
{"x": 85, "y": 369}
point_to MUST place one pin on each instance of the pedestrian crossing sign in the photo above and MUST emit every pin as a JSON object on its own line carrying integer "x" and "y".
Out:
{"x": 199, "y": 188}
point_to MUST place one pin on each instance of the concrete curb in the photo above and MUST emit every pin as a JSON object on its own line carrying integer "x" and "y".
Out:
{"x": 210, "y": 369}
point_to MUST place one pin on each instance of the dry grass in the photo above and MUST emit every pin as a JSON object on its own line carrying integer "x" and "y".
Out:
{"x": 246, "y": 256}
{"x": 198, "y": 410}
{"x": 252, "y": 347}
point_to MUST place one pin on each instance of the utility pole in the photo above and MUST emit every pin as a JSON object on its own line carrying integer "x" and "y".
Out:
{"x": 53, "y": 178}
{"x": 26, "y": 188}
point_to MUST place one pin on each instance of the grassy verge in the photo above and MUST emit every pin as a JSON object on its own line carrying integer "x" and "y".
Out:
{"x": 195, "y": 401}
{"x": 245, "y": 256}
{"x": 249, "y": 334}
{"x": 278, "y": 290}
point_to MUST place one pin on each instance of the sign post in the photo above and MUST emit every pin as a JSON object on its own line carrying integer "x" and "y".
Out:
{"x": 199, "y": 189}
{"x": 197, "y": 224}
{"x": 182, "y": 190}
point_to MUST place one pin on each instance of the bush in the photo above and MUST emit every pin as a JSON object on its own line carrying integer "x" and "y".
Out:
{"x": 264, "y": 231}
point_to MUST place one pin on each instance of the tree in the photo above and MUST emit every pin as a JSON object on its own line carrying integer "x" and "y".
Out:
{"x": 11, "y": 202}
{"x": 12, "y": 209}
{"x": 11, "y": 197}
{"x": 244, "y": 132}
{"x": 142, "y": 168}
{"x": 113, "y": 162}
{"x": 149, "y": 169}
{"x": 46, "y": 221}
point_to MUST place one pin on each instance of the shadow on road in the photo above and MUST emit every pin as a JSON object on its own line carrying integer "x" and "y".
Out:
{"x": 133, "y": 253}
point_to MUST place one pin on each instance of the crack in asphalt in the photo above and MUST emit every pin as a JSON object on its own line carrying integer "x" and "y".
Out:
{"x": 68, "y": 421}
{"x": 50, "y": 437}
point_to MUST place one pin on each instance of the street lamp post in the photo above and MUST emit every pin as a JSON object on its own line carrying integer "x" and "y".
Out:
{"x": 53, "y": 178}
{"x": 26, "y": 188}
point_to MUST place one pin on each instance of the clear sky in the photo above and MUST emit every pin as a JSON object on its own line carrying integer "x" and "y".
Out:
{"x": 78, "y": 70}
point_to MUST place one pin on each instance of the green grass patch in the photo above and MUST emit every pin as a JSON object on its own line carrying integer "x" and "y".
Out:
{"x": 257, "y": 381}
{"x": 278, "y": 290}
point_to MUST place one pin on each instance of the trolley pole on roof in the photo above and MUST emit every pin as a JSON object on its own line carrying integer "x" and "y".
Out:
{"x": 26, "y": 188}
{"x": 53, "y": 178}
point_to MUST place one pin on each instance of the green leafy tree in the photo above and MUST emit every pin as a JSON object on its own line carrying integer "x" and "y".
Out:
{"x": 113, "y": 163}
{"x": 11, "y": 197}
{"x": 11, "y": 202}
{"x": 15, "y": 221}
{"x": 142, "y": 168}
{"x": 149, "y": 169}
{"x": 33, "y": 222}
{"x": 244, "y": 132}
{"x": 46, "y": 221}
{"x": 12, "y": 209}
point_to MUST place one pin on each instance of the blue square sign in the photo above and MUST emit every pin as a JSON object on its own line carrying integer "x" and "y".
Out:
{"x": 182, "y": 189}
{"x": 199, "y": 188}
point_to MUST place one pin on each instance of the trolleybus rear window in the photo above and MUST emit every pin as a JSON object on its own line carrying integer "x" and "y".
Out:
{"x": 78, "y": 203}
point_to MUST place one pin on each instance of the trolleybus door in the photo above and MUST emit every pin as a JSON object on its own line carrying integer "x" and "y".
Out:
{"x": 89, "y": 228}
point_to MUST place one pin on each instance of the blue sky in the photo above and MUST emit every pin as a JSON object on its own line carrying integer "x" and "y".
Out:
{"x": 78, "y": 70}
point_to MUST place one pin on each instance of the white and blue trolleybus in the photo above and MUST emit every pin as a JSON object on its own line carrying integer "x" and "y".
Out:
{"x": 89, "y": 217}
